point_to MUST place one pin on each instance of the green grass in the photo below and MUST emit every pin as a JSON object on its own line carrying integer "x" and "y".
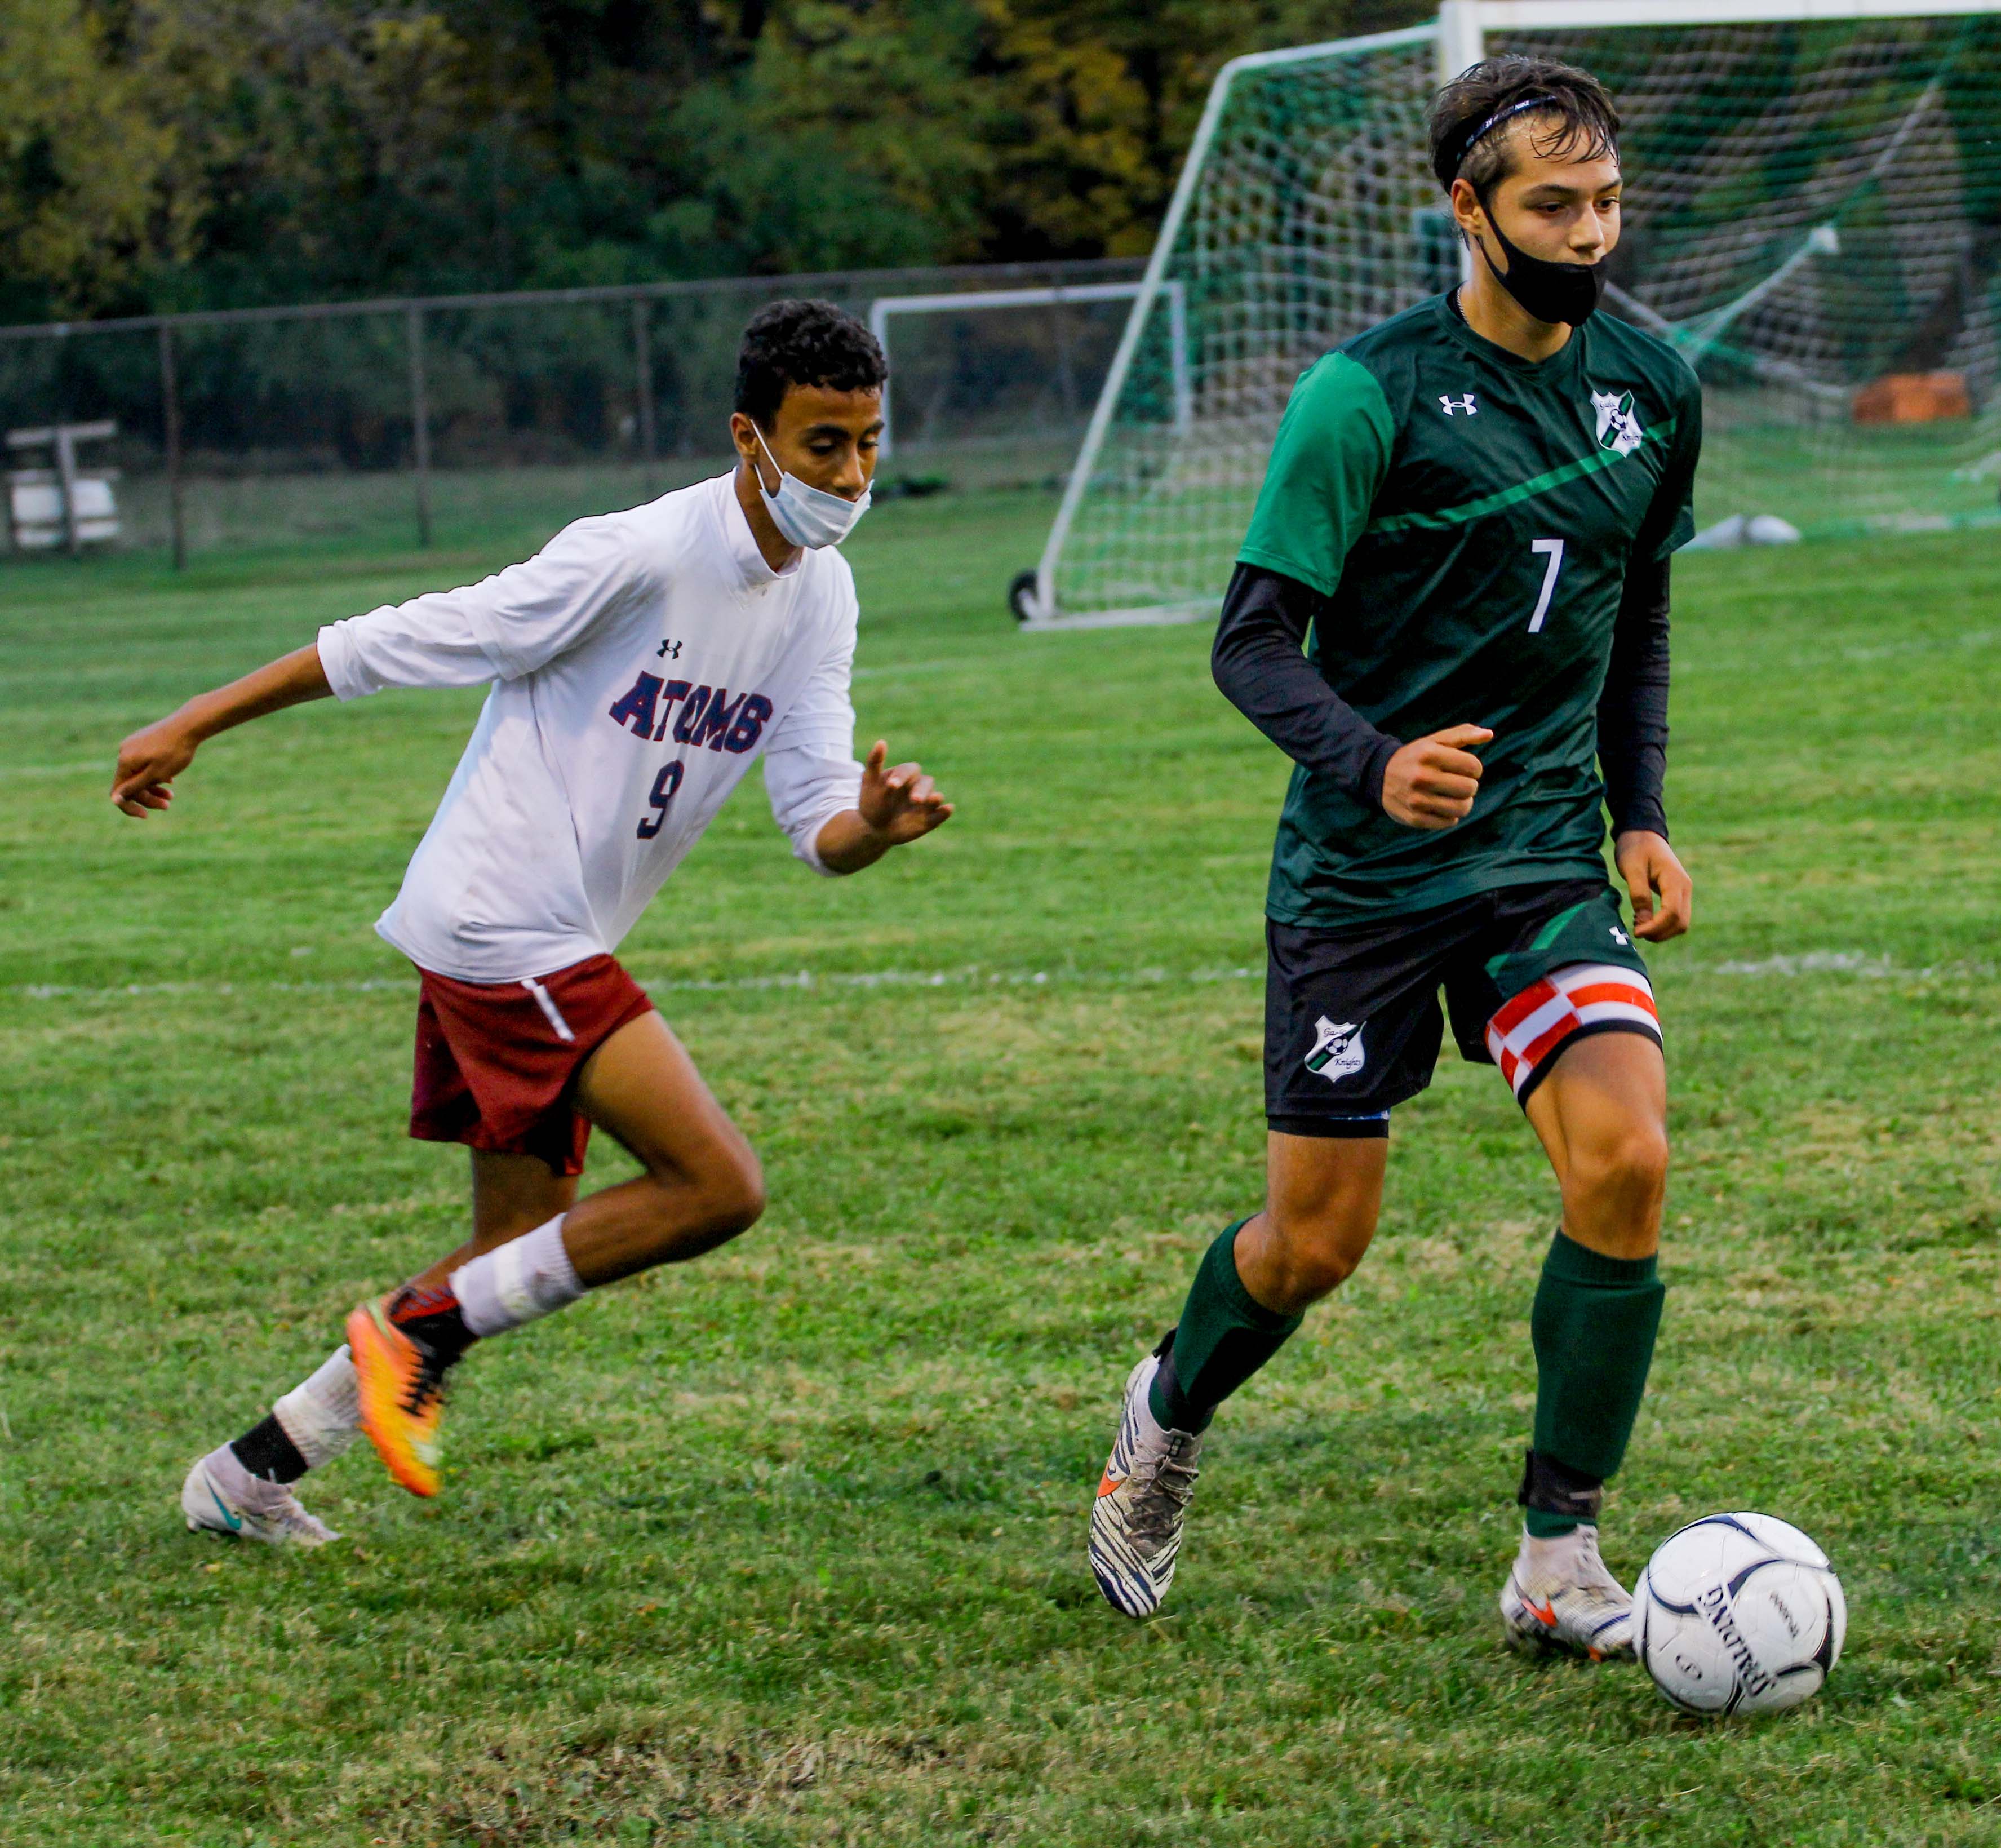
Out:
{"x": 786, "y": 1547}
{"x": 1838, "y": 479}
{"x": 372, "y": 511}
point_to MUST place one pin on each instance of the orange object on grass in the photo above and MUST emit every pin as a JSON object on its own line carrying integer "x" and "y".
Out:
{"x": 1913, "y": 397}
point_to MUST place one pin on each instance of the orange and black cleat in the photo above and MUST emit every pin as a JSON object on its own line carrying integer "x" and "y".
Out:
{"x": 402, "y": 1377}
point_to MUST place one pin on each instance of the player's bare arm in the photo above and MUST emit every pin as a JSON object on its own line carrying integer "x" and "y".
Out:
{"x": 150, "y": 760}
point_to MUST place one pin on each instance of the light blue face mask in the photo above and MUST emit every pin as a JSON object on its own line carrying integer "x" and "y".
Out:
{"x": 809, "y": 517}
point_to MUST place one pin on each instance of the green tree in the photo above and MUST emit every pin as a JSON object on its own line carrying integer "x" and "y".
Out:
{"x": 86, "y": 198}
{"x": 186, "y": 153}
{"x": 857, "y": 134}
{"x": 1098, "y": 101}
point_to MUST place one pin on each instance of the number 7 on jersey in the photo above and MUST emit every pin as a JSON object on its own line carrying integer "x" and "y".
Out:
{"x": 1555, "y": 548}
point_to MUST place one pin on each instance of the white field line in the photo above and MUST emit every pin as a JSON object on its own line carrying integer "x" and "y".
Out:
{"x": 58, "y": 770}
{"x": 1815, "y": 963}
{"x": 1840, "y": 962}
{"x": 1856, "y": 963}
{"x": 804, "y": 979}
{"x": 1932, "y": 644}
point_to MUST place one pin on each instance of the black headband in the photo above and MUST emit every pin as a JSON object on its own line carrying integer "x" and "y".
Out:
{"x": 1495, "y": 121}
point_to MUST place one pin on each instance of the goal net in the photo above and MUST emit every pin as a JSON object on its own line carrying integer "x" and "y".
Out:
{"x": 1813, "y": 218}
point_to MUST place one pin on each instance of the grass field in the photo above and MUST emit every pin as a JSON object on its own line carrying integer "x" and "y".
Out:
{"x": 786, "y": 1547}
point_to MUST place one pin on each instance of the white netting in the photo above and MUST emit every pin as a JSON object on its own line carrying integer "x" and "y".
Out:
{"x": 1812, "y": 209}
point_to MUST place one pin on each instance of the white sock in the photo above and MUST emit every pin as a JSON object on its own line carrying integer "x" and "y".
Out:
{"x": 323, "y": 1415}
{"x": 520, "y": 1282}
{"x": 1557, "y": 1555}
{"x": 237, "y": 1482}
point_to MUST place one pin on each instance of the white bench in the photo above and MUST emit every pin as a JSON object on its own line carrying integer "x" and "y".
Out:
{"x": 62, "y": 505}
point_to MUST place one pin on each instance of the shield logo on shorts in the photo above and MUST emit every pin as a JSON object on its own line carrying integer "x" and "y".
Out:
{"x": 1337, "y": 1050}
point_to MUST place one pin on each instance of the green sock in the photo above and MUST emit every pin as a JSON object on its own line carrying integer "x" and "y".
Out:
{"x": 1593, "y": 1324}
{"x": 1223, "y": 1337}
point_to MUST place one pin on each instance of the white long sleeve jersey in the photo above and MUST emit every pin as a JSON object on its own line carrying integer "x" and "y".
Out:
{"x": 640, "y": 662}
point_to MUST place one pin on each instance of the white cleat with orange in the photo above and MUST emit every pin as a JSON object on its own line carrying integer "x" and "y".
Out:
{"x": 1560, "y": 1598}
{"x": 1143, "y": 1499}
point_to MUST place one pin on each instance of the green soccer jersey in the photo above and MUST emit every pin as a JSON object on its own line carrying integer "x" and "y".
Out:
{"x": 1470, "y": 515}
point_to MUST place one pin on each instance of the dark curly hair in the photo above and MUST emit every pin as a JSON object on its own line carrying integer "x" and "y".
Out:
{"x": 1572, "y": 111}
{"x": 803, "y": 344}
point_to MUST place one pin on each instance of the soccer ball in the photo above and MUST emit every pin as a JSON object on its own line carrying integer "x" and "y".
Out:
{"x": 1738, "y": 1613}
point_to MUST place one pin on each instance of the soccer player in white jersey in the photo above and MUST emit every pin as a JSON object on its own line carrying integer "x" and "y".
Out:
{"x": 639, "y": 665}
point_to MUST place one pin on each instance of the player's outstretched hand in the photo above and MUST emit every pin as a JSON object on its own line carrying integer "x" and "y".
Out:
{"x": 148, "y": 761}
{"x": 1430, "y": 782}
{"x": 900, "y": 804}
{"x": 1649, "y": 866}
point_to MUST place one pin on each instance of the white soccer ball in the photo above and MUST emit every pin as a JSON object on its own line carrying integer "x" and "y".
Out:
{"x": 1738, "y": 1613}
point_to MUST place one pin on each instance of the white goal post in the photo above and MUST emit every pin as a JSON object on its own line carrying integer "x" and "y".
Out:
{"x": 1814, "y": 219}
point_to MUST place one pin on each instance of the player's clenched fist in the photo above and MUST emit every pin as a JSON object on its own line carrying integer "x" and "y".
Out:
{"x": 1430, "y": 782}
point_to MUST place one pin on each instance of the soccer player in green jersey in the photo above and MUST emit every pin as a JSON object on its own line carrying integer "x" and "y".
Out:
{"x": 1451, "y": 611}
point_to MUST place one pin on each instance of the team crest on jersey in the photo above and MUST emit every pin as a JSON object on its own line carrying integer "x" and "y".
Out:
{"x": 1618, "y": 424}
{"x": 1337, "y": 1050}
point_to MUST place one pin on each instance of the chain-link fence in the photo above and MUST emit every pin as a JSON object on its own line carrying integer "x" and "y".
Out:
{"x": 386, "y": 422}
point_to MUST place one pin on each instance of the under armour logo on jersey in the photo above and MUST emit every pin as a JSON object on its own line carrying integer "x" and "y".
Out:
{"x": 1619, "y": 937}
{"x": 1448, "y": 405}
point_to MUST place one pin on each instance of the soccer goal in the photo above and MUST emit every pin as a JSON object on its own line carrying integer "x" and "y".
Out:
{"x": 1813, "y": 217}
{"x": 954, "y": 304}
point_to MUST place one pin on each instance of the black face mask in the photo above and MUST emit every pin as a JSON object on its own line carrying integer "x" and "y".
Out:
{"x": 1551, "y": 292}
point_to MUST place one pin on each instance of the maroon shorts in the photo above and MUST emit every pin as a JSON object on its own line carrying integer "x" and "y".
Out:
{"x": 496, "y": 1061}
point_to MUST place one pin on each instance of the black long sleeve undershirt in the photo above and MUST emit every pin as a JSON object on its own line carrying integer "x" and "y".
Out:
{"x": 1633, "y": 708}
{"x": 1259, "y": 664}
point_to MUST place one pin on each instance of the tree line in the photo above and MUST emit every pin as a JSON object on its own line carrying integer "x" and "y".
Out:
{"x": 164, "y": 154}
